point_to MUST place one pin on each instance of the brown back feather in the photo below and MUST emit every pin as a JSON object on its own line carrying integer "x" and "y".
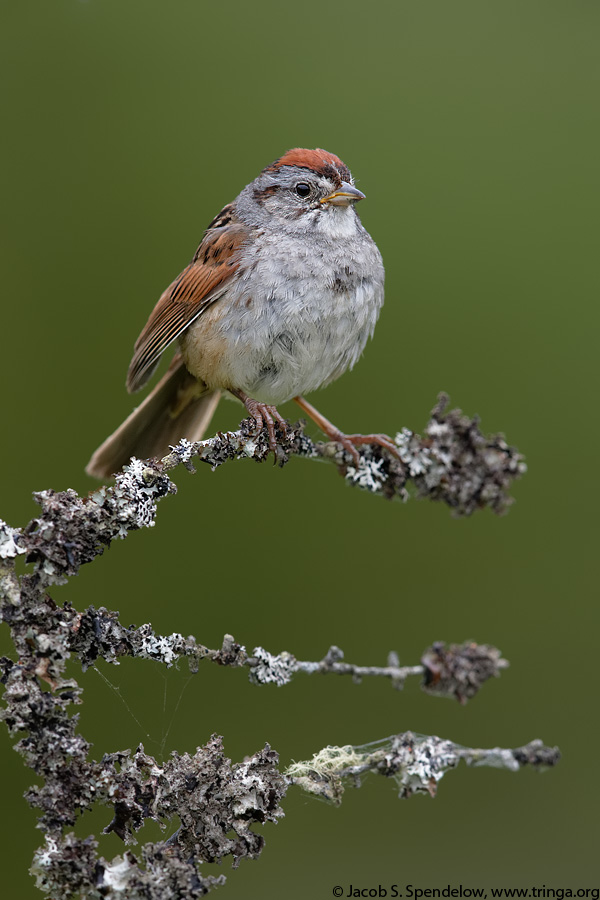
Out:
{"x": 199, "y": 285}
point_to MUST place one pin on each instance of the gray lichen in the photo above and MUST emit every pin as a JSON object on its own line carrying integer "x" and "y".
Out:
{"x": 460, "y": 669}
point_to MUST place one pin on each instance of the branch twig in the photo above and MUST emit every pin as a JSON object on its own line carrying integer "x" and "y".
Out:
{"x": 458, "y": 670}
{"x": 415, "y": 762}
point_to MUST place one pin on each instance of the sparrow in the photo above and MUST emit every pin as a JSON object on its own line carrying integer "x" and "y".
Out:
{"x": 279, "y": 299}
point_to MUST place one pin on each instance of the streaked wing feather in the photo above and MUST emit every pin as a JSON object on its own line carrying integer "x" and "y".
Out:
{"x": 196, "y": 288}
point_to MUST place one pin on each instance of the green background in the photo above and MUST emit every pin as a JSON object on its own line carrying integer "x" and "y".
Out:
{"x": 473, "y": 128}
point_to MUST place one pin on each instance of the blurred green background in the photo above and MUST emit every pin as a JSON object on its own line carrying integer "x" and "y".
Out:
{"x": 473, "y": 128}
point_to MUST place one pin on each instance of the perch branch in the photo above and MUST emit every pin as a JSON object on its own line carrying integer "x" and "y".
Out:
{"x": 454, "y": 463}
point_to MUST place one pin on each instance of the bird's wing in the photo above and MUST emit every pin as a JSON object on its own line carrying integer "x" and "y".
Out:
{"x": 198, "y": 286}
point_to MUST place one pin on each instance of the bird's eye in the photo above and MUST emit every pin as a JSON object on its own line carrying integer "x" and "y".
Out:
{"x": 302, "y": 189}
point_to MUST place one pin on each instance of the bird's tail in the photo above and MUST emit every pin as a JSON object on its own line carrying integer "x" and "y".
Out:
{"x": 178, "y": 407}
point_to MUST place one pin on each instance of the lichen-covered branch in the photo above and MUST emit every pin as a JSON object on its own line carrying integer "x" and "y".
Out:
{"x": 458, "y": 670}
{"x": 454, "y": 463}
{"x": 213, "y": 804}
{"x": 415, "y": 762}
{"x": 214, "y": 800}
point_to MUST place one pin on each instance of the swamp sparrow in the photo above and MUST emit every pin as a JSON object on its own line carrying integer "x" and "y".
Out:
{"x": 279, "y": 300}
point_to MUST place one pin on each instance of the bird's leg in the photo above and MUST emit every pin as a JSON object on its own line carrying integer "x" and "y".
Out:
{"x": 348, "y": 441}
{"x": 263, "y": 415}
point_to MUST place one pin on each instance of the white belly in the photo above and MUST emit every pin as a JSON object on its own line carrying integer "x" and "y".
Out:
{"x": 287, "y": 327}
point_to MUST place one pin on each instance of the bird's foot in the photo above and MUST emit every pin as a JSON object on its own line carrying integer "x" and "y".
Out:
{"x": 267, "y": 416}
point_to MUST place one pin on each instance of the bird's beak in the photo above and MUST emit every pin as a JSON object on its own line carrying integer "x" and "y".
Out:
{"x": 344, "y": 196}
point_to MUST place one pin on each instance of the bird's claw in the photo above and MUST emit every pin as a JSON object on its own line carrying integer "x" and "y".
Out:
{"x": 266, "y": 416}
